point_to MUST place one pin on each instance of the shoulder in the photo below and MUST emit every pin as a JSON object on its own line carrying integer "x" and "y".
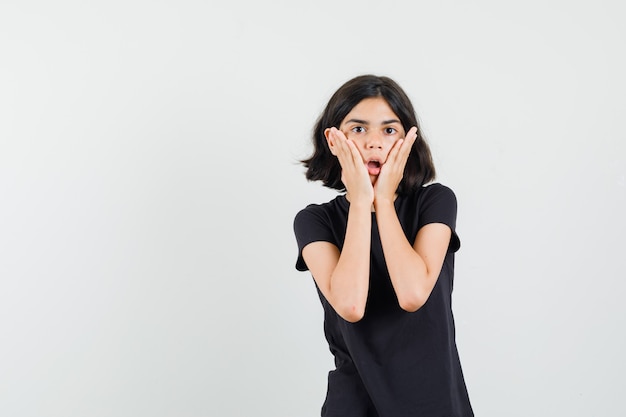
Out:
{"x": 428, "y": 195}
{"x": 320, "y": 222}
{"x": 438, "y": 205}
{"x": 437, "y": 190}
{"x": 321, "y": 213}
{"x": 433, "y": 203}
{"x": 436, "y": 196}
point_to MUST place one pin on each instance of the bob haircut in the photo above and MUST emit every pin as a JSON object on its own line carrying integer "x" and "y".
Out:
{"x": 324, "y": 166}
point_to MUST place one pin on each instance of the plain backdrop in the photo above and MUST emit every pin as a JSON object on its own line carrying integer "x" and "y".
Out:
{"x": 149, "y": 178}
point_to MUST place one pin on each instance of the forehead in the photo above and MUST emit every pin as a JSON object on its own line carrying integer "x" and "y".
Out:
{"x": 372, "y": 110}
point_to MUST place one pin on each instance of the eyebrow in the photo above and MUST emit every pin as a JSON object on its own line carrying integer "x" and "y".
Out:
{"x": 363, "y": 122}
{"x": 357, "y": 121}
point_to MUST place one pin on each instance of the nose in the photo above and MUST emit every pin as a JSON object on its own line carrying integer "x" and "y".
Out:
{"x": 374, "y": 141}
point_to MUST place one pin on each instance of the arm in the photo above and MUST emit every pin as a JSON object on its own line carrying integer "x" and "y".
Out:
{"x": 413, "y": 269}
{"x": 343, "y": 277}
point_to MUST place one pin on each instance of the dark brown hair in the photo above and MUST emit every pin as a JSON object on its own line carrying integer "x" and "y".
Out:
{"x": 324, "y": 166}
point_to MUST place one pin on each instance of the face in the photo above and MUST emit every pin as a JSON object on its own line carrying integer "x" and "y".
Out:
{"x": 374, "y": 128}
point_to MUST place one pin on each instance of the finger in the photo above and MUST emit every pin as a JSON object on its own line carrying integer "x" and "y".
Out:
{"x": 333, "y": 138}
{"x": 336, "y": 134}
{"x": 346, "y": 146}
{"x": 407, "y": 144}
{"x": 339, "y": 144}
{"x": 356, "y": 155}
{"x": 412, "y": 133}
{"x": 400, "y": 151}
{"x": 394, "y": 153}
{"x": 410, "y": 137}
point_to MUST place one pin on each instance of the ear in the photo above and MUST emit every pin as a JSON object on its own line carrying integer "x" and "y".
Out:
{"x": 330, "y": 140}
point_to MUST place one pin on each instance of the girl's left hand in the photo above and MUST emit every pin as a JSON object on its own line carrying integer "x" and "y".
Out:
{"x": 392, "y": 171}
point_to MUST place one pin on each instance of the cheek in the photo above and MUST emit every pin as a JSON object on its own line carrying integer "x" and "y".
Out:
{"x": 388, "y": 146}
{"x": 389, "y": 143}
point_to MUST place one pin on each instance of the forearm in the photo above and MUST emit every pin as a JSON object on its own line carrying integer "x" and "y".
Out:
{"x": 349, "y": 282}
{"x": 408, "y": 271}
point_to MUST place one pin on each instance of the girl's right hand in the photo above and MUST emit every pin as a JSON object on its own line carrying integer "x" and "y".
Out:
{"x": 354, "y": 174}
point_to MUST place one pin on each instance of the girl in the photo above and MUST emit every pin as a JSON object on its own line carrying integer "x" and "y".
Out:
{"x": 382, "y": 258}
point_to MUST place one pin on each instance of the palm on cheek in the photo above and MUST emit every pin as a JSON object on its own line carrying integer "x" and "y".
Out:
{"x": 392, "y": 171}
{"x": 353, "y": 173}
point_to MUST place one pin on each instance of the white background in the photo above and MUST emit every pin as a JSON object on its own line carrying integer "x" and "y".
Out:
{"x": 149, "y": 179}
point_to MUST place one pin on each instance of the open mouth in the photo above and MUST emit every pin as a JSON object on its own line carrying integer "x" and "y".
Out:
{"x": 373, "y": 167}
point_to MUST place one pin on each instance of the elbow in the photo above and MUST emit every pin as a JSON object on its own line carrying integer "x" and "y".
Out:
{"x": 411, "y": 306}
{"x": 413, "y": 298}
{"x": 412, "y": 302}
{"x": 352, "y": 313}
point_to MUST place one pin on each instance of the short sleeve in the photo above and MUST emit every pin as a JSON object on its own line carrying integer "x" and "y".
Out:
{"x": 439, "y": 205}
{"x": 311, "y": 225}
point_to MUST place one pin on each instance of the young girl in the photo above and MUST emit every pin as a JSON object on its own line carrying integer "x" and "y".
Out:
{"x": 382, "y": 257}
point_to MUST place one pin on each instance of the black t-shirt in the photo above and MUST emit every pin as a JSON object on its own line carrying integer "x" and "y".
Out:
{"x": 391, "y": 363}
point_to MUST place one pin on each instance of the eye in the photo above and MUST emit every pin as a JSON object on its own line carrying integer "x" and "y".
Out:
{"x": 390, "y": 131}
{"x": 358, "y": 129}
